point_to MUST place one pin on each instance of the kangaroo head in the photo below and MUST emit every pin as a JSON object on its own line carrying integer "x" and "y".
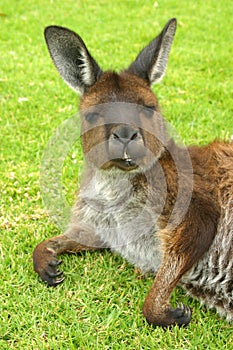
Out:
{"x": 121, "y": 123}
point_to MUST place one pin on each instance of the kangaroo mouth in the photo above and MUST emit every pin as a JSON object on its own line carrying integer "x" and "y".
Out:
{"x": 126, "y": 162}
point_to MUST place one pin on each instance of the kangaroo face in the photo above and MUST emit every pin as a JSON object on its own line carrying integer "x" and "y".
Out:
{"x": 121, "y": 129}
{"x": 121, "y": 123}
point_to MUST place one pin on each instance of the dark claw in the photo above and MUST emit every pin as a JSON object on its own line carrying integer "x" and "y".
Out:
{"x": 181, "y": 315}
{"x": 53, "y": 275}
{"x": 55, "y": 263}
{"x": 55, "y": 282}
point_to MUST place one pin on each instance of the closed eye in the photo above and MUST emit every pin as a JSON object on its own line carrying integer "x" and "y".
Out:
{"x": 149, "y": 110}
{"x": 92, "y": 117}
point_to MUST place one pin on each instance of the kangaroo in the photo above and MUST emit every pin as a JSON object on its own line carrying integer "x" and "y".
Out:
{"x": 165, "y": 208}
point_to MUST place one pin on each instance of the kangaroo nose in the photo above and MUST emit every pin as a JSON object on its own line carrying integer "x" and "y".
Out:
{"x": 125, "y": 134}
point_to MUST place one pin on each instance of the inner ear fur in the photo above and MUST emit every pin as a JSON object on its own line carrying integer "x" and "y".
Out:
{"x": 71, "y": 57}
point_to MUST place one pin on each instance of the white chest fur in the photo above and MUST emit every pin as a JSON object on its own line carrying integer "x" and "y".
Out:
{"x": 122, "y": 217}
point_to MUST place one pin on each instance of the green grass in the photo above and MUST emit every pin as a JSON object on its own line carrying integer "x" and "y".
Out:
{"x": 99, "y": 304}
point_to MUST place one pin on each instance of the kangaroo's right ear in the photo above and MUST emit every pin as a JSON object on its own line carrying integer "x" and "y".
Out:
{"x": 71, "y": 58}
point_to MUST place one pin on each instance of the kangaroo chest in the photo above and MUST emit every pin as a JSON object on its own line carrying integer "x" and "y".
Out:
{"x": 122, "y": 216}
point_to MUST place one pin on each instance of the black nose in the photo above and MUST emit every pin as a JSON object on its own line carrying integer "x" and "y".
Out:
{"x": 125, "y": 134}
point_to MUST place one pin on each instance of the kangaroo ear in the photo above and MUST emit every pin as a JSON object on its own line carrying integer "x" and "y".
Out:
{"x": 151, "y": 62}
{"x": 71, "y": 58}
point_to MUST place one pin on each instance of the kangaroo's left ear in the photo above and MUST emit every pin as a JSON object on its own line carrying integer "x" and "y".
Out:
{"x": 71, "y": 58}
{"x": 151, "y": 62}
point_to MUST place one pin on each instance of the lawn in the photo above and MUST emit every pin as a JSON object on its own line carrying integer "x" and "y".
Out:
{"x": 99, "y": 304}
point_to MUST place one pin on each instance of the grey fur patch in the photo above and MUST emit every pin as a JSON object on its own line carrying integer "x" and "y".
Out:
{"x": 211, "y": 279}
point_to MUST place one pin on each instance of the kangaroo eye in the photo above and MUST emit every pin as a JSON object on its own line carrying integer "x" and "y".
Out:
{"x": 149, "y": 110}
{"x": 92, "y": 117}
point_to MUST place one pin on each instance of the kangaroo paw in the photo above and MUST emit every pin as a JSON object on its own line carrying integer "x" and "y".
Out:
{"x": 47, "y": 265}
{"x": 180, "y": 316}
